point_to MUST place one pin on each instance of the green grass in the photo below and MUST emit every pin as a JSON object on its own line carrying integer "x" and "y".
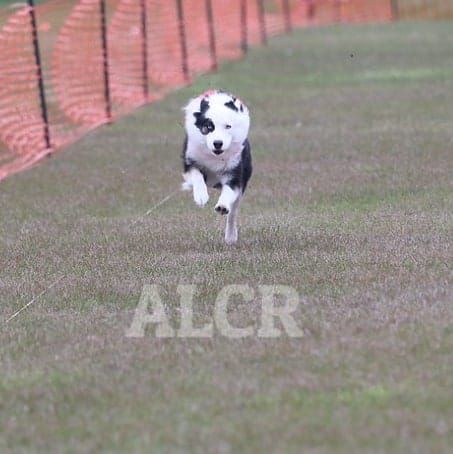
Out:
{"x": 351, "y": 203}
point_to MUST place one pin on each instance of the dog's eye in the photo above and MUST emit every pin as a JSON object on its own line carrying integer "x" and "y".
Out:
{"x": 207, "y": 127}
{"x": 228, "y": 126}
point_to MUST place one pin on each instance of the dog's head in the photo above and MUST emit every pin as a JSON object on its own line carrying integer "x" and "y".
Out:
{"x": 218, "y": 120}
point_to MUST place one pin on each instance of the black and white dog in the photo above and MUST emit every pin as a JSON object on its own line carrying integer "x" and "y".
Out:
{"x": 217, "y": 153}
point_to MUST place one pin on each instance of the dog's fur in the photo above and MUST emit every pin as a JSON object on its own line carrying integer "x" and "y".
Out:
{"x": 217, "y": 153}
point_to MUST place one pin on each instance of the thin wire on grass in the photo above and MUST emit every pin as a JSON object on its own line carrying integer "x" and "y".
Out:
{"x": 33, "y": 300}
{"x": 160, "y": 203}
{"x": 165, "y": 199}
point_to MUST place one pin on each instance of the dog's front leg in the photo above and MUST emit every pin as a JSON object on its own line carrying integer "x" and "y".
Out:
{"x": 194, "y": 178}
{"x": 227, "y": 198}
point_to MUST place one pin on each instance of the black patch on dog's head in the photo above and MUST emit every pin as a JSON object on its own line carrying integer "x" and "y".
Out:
{"x": 205, "y": 125}
{"x": 231, "y": 105}
{"x": 204, "y": 106}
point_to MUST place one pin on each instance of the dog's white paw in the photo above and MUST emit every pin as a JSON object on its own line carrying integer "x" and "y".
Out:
{"x": 186, "y": 186}
{"x": 222, "y": 209}
{"x": 201, "y": 197}
{"x": 187, "y": 183}
{"x": 231, "y": 237}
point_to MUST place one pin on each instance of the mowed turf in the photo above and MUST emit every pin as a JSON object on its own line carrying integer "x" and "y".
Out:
{"x": 351, "y": 203}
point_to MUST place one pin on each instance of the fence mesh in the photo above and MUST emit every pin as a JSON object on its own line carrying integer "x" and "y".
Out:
{"x": 68, "y": 66}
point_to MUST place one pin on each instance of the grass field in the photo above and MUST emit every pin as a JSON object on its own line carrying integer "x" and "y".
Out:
{"x": 351, "y": 203}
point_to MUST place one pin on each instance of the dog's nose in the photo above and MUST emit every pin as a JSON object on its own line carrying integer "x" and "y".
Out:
{"x": 218, "y": 144}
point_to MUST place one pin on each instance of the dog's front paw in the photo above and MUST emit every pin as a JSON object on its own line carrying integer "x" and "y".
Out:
{"x": 221, "y": 209}
{"x": 201, "y": 197}
{"x": 186, "y": 186}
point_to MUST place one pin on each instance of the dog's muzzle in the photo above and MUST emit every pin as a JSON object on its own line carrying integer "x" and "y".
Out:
{"x": 218, "y": 144}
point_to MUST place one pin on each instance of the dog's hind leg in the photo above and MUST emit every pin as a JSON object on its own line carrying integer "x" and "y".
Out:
{"x": 231, "y": 228}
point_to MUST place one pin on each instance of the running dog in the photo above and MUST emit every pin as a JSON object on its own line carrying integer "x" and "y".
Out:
{"x": 217, "y": 153}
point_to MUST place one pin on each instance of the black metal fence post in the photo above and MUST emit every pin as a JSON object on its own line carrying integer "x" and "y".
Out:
{"x": 287, "y": 13}
{"x": 262, "y": 20}
{"x": 244, "y": 36}
{"x": 39, "y": 74}
{"x": 310, "y": 9}
{"x": 338, "y": 15}
{"x": 105, "y": 61}
{"x": 395, "y": 9}
{"x": 212, "y": 41}
{"x": 144, "y": 23}
{"x": 182, "y": 40}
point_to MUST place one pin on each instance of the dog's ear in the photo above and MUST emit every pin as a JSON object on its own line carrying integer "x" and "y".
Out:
{"x": 199, "y": 116}
{"x": 231, "y": 105}
{"x": 204, "y": 106}
{"x": 198, "y": 119}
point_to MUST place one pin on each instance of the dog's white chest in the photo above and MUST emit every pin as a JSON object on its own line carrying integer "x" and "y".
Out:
{"x": 215, "y": 165}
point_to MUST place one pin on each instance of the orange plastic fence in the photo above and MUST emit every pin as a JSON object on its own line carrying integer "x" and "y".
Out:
{"x": 70, "y": 66}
